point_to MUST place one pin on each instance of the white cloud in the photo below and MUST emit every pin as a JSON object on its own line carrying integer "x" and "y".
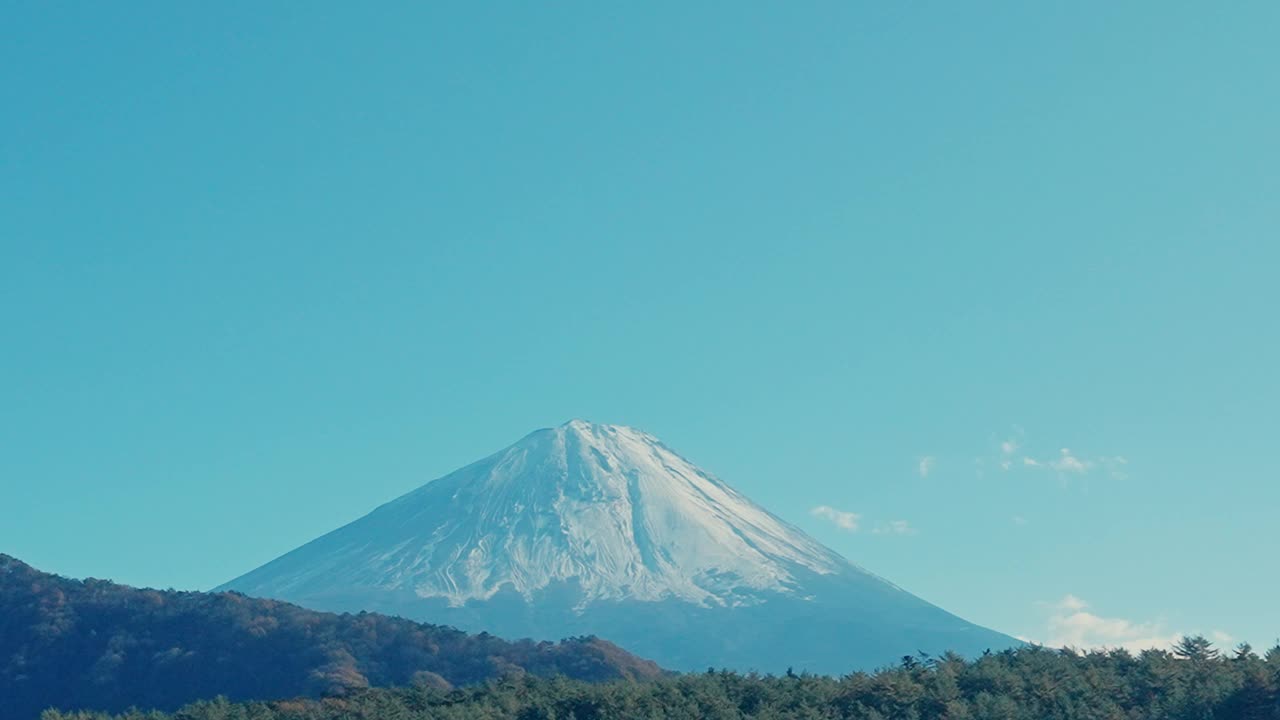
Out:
{"x": 1070, "y": 602}
{"x": 1007, "y": 449}
{"x": 895, "y": 527}
{"x": 926, "y": 465}
{"x": 852, "y": 522}
{"x": 1019, "y": 520}
{"x": 1068, "y": 463}
{"x": 844, "y": 520}
{"x": 1115, "y": 466}
{"x": 1070, "y": 623}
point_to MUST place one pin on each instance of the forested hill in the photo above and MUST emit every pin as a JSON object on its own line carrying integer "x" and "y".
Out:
{"x": 1194, "y": 682}
{"x": 95, "y": 644}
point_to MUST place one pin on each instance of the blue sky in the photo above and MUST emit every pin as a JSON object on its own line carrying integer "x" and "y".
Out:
{"x": 995, "y": 285}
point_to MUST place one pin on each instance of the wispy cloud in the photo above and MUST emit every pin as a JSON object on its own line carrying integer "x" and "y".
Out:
{"x": 1070, "y": 603}
{"x": 1007, "y": 450}
{"x": 1019, "y": 520}
{"x": 1115, "y": 466}
{"x": 894, "y": 527}
{"x": 842, "y": 519}
{"x": 1070, "y": 622}
{"x": 925, "y": 465}
{"x": 1068, "y": 463}
{"x": 1010, "y": 456}
{"x": 852, "y": 522}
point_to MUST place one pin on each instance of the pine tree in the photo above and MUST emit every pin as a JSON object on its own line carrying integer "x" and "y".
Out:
{"x": 1196, "y": 648}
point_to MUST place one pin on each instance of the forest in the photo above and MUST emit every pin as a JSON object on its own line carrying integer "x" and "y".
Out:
{"x": 92, "y": 649}
{"x": 1194, "y": 681}
{"x": 96, "y": 644}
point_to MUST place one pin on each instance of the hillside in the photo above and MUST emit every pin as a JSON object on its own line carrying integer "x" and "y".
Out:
{"x": 96, "y": 644}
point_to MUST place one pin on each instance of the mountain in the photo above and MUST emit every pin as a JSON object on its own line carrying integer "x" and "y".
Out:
{"x": 602, "y": 529}
{"x": 95, "y": 644}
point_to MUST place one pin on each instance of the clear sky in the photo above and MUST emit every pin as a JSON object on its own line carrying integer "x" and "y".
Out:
{"x": 992, "y": 285}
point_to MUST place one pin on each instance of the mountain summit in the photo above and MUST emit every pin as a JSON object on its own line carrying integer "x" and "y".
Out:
{"x": 607, "y": 507}
{"x": 602, "y": 529}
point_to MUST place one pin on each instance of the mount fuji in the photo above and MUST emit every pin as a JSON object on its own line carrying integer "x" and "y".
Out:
{"x": 602, "y": 529}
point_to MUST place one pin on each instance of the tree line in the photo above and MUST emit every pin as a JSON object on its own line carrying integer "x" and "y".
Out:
{"x": 1193, "y": 681}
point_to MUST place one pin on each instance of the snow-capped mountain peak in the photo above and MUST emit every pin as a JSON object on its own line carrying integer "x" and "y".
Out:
{"x": 602, "y": 529}
{"x": 606, "y": 507}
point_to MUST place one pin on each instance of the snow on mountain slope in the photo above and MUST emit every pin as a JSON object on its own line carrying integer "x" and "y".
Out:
{"x": 608, "y": 507}
{"x": 602, "y": 529}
